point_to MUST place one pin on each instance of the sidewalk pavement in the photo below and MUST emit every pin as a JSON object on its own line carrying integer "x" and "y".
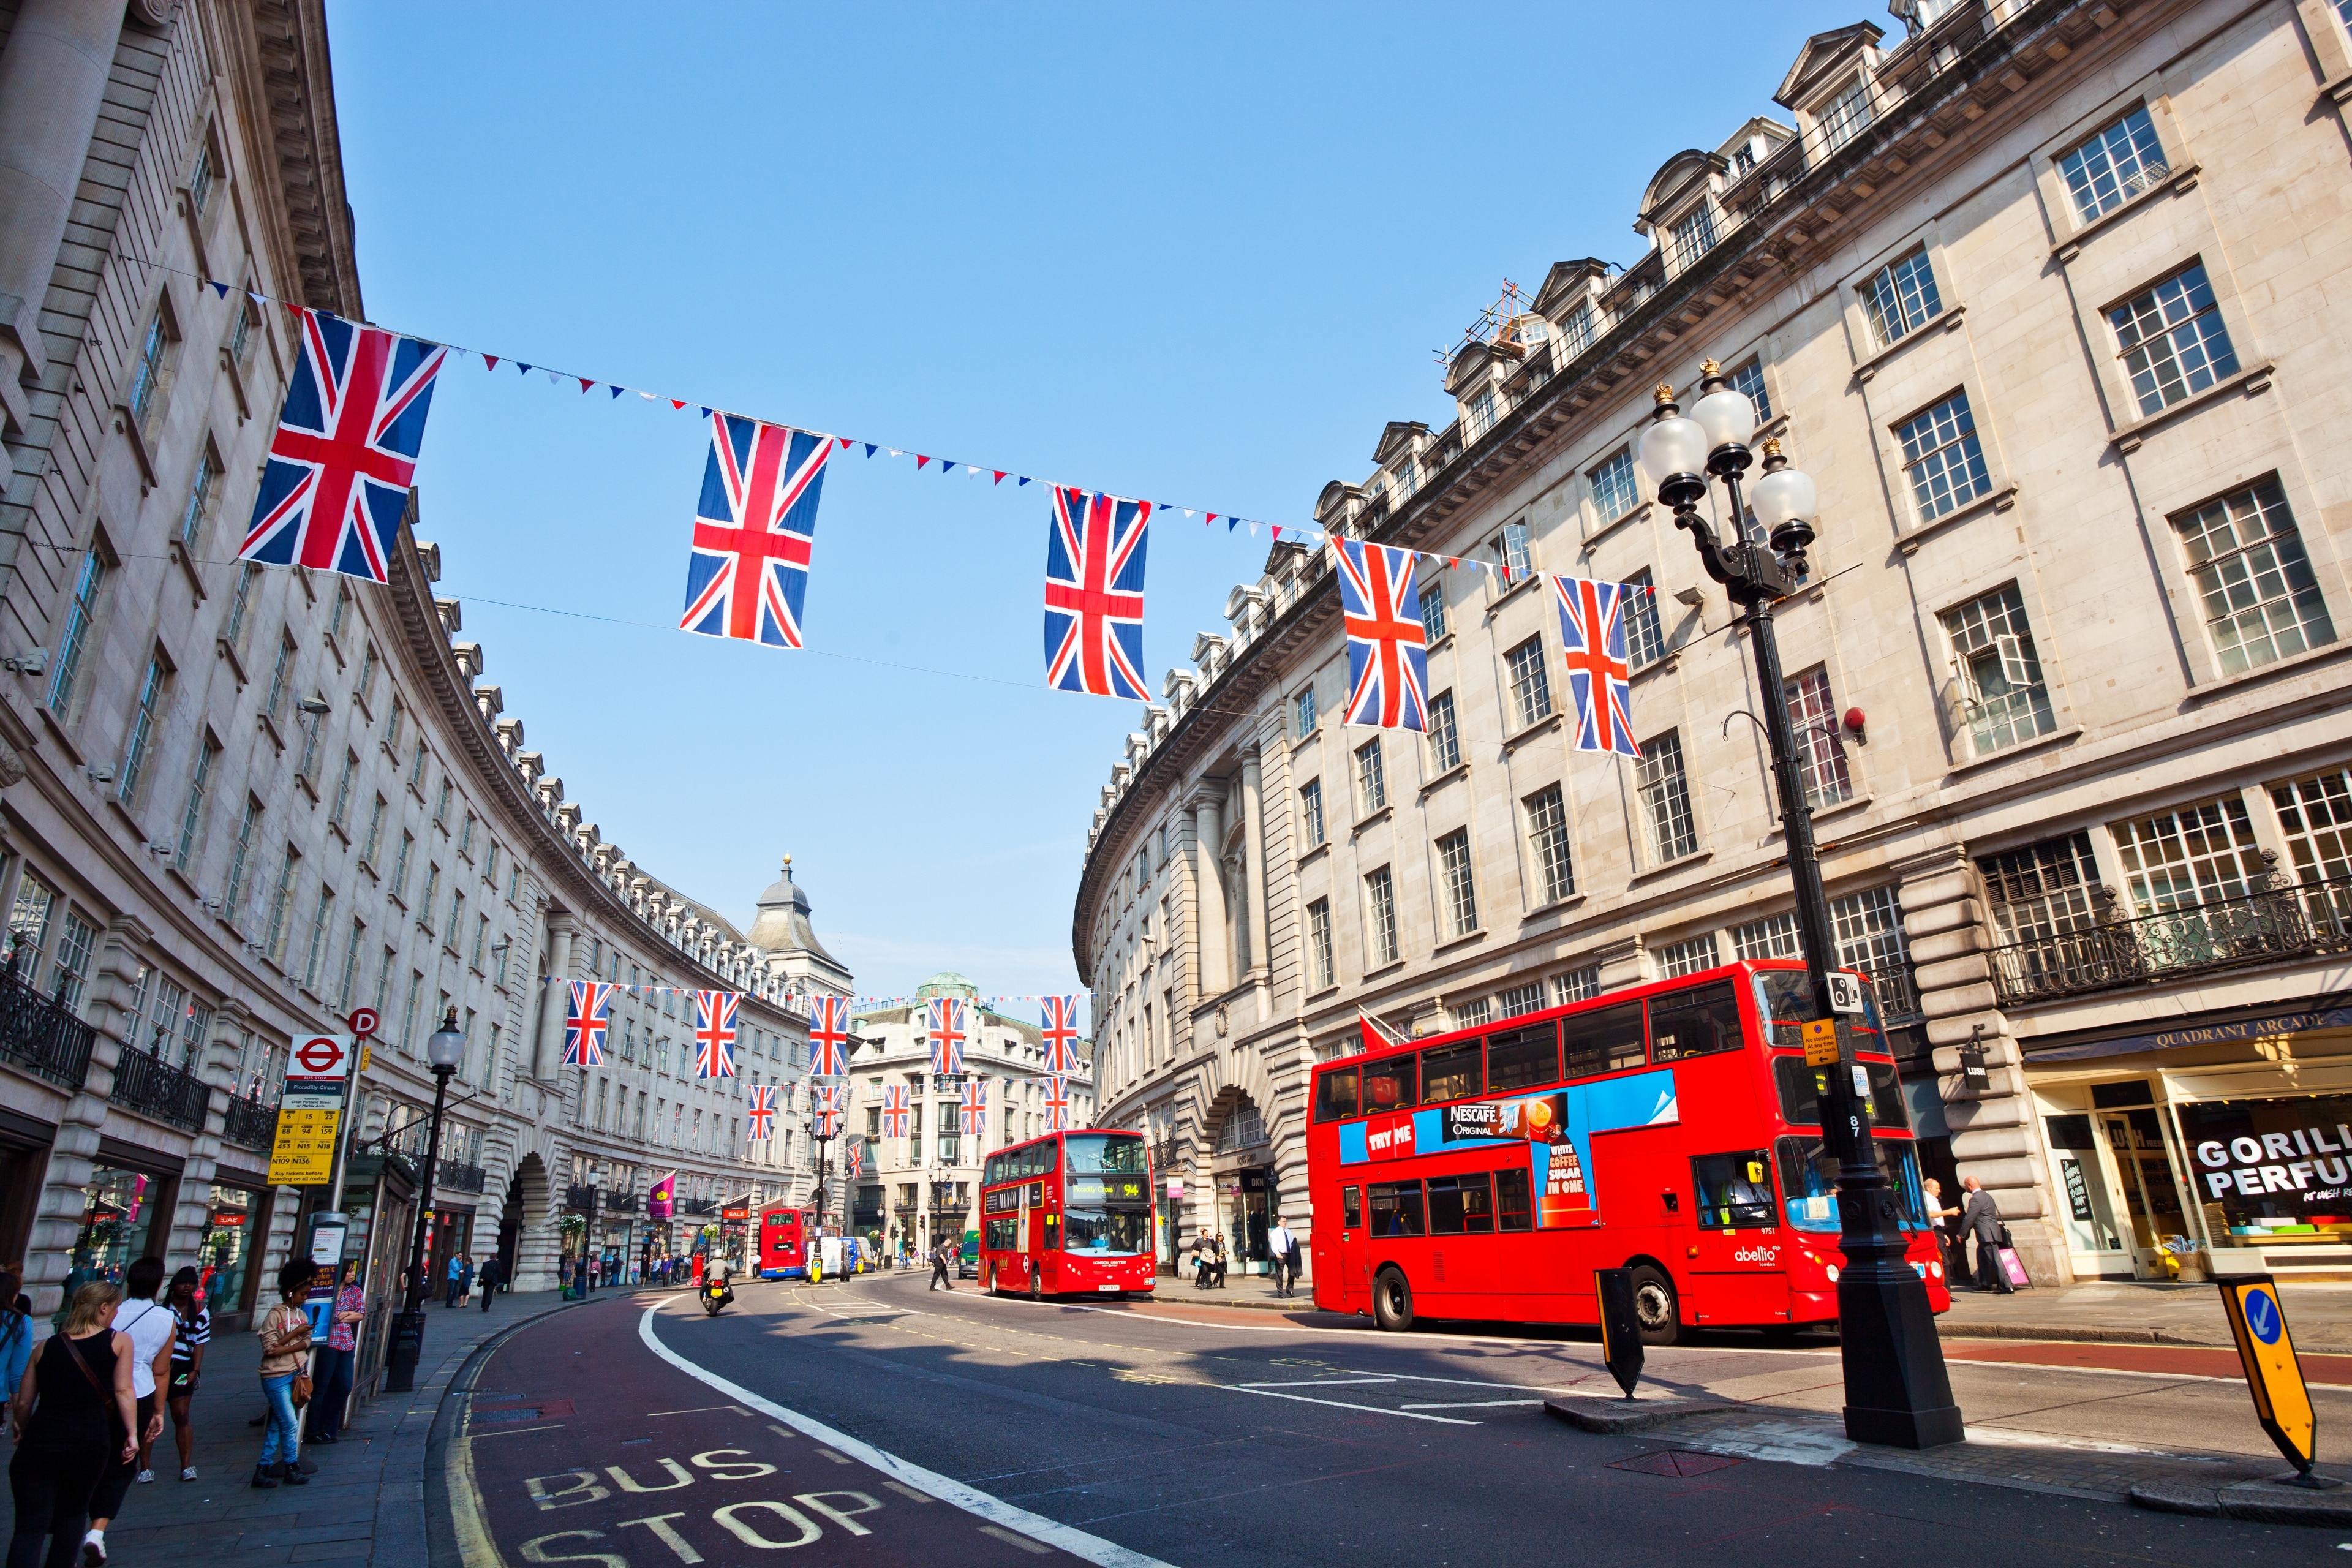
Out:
{"x": 365, "y": 1503}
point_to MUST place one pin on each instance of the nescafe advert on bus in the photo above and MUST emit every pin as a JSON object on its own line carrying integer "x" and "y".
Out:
{"x": 1537, "y": 1119}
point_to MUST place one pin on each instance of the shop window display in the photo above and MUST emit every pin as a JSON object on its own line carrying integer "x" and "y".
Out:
{"x": 223, "y": 1261}
{"x": 2272, "y": 1171}
{"x": 118, "y": 1211}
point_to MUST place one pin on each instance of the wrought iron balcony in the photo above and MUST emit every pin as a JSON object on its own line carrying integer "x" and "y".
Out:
{"x": 2298, "y": 920}
{"x": 41, "y": 1035}
{"x": 582, "y": 1199}
{"x": 456, "y": 1176}
{"x": 152, "y": 1087}
{"x": 250, "y": 1124}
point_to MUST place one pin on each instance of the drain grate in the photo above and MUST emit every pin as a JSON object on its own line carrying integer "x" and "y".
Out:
{"x": 1676, "y": 1462}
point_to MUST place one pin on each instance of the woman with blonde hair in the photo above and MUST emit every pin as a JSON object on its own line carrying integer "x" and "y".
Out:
{"x": 74, "y": 1418}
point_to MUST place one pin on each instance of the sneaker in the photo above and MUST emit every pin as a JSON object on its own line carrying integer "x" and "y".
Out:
{"x": 93, "y": 1550}
{"x": 144, "y": 1476}
{"x": 189, "y": 1474}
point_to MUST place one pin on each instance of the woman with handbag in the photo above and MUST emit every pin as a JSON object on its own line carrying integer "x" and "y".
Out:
{"x": 285, "y": 1333}
{"x": 192, "y": 1331}
{"x": 74, "y": 1418}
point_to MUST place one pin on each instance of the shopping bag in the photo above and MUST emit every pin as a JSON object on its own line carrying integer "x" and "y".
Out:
{"x": 2011, "y": 1268}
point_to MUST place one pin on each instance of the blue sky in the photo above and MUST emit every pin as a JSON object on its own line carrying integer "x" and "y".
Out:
{"x": 1197, "y": 255}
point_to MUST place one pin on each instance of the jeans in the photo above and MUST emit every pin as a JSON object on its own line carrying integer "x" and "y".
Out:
{"x": 279, "y": 1443}
{"x": 334, "y": 1387}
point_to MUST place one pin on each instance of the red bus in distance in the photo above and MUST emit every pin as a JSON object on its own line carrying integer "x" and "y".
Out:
{"x": 1068, "y": 1213}
{"x": 1671, "y": 1128}
{"x": 782, "y": 1240}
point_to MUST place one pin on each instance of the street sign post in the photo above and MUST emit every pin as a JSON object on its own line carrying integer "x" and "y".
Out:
{"x": 311, "y": 1111}
{"x": 1820, "y": 1042}
{"x": 2273, "y": 1375}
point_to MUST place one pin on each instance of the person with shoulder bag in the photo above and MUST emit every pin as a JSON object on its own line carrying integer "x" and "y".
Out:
{"x": 334, "y": 1374}
{"x": 149, "y": 1326}
{"x": 192, "y": 1331}
{"x": 284, "y": 1335}
{"x": 1980, "y": 1218}
{"x": 75, "y": 1417}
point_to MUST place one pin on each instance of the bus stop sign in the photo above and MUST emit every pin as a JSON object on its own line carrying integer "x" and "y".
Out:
{"x": 2274, "y": 1375}
{"x": 1621, "y": 1326}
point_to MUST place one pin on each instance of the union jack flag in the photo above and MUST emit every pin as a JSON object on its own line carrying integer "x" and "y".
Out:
{"x": 1093, "y": 594}
{"x": 589, "y": 1015}
{"x": 1061, "y": 1034}
{"x": 1599, "y": 685}
{"x": 893, "y": 1111}
{"x": 714, "y": 1032}
{"x": 763, "y": 1112}
{"x": 947, "y": 1035}
{"x": 828, "y": 1035}
{"x": 1057, "y": 1104}
{"x": 753, "y": 529}
{"x": 1388, "y": 667}
{"x": 336, "y": 484}
{"x": 828, "y": 1110}
{"x": 975, "y": 1106}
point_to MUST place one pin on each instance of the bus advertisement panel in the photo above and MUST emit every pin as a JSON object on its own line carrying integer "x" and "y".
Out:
{"x": 1066, "y": 1212}
{"x": 783, "y": 1242}
{"x": 1487, "y": 1174}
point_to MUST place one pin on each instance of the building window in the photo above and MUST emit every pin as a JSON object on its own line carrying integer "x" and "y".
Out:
{"x": 2262, "y": 601}
{"x": 1303, "y": 708}
{"x": 1431, "y": 594}
{"x": 374, "y": 831}
{"x": 1519, "y": 999}
{"x": 1530, "y": 689}
{"x": 457, "y": 922}
{"x": 1511, "y": 548}
{"x": 274, "y": 941}
{"x": 400, "y": 867}
{"x": 1869, "y": 930}
{"x": 347, "y": 992}
{"x": 142, "y": 729}
{"x": 1371, "y": 781}
{"x": 148, "y": 378}
{"x": 1576, "y": 985}
{"x": 2316, "y": 819}
{"x": 1682, "y": 958}
{"x": 1614, "y": 491}
{"x": 240, "y": 857}
{"x": 1821, "y": 739}
{"x": 71, "y": 972}
{"x": 1547, "y": 844}
{"x": 192, "y": 816}
{"x": 1445, "y": 737}
{"x": 2112, "y": 167}
{"x": 1646, "y": 640}
{"x": 316, "y": 955}
{"x": 1694, "y": 237}
{"x": 239, "y": 602}
{"x": 340, "y": 813}
{"x": 1478, "y": 413}
{"x": 1900, "y": 298}
{"x": 1576, "y": 333}
{"x": 2172, "y": 340}
{"x": 1774, "y": 936}
{"x": 1318, "y": 942}
{"x": 1941, "y": 455}
{"x": 1461, "y": 882}
{"x": 2043, "y": 890}
{"x": 1380, "y": 916}
{"x": 1406, "y": 479}
{"x": 432, "y": 896}
{"x": 2002, "y": 694}
{"x": 2192, "y": 856}
{"x": 1474, "y": 1015}
{"x": 200, "y": 498}
{"x": 1310, "y": 810}
{"x": 200, "y": 178}
{"x": 1843, "y": 117}
{"x": 81, "y": 614}
{"x": 1665, "y": 798}
{"x": 1748, "y": 379}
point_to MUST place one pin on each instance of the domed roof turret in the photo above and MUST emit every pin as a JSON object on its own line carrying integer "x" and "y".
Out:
{"x": 947, "y": 982}
{"x": 782, "y": 924}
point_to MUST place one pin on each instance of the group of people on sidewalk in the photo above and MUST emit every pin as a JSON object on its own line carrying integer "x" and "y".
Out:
{"x": 1981, "y": 1222}
{"x": 1281, "y": 1249}
{"x": 463, "y": 1278}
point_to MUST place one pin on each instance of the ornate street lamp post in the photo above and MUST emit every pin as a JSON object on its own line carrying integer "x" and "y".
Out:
{"x": 824, "y": 1140}
{"x": 1896, "y": 1389}
{"x": 445, "y": 1050}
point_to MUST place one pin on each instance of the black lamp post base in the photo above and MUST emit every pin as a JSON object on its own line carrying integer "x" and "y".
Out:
{"x": 408, "y": 1347}
{"x": 1898, "y": 1394}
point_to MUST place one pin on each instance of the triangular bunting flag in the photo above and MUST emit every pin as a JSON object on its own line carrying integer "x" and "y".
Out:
{"x": 1210, "y": 519}
{"x": 1024, "y": 479}
{"x": 677, "y": 403}
{"x": 894, "y": 451}
{"x": 489, "y": 361}
{"x": 1277, "y": 531}
{"x": 869, "y": 449}
{"x": 844, "y": 442}
{"x": 1231, "y": 523}
{"x": 522, "y": 367}
{"x": 617, "y": 391}
{"x": 221, "y": 290}
{"x": 584, "y": 383}
{"x": 555, "y": 378}
{"x": 706, "y": 413}
{"x": 919, "y": 459}
{"x": 999, "y": 475}
{"x": 649, "y": 398}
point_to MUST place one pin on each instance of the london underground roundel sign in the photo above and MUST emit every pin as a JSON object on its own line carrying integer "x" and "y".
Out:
{"x": 320, "y": 1056}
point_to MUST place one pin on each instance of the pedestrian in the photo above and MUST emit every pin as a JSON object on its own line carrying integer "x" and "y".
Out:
{"x": 456, "y": 1274}
{"x": 492, "y": 1272}
{"x": 1980, "y": 1217}
{"x": 464, "y": 1280}
{"x": 939, "y": 1266}
{"x": 1948, "y": 1240}
{"x": 334, "y": 1373}
{"x": 284, "y": 1335}
{"x": 16, "y": 1333}
{"x": 74, "y": 1418}
{"x": 192, "y": 1330}
{"x": 1284, "y": 1251}
{"x": 148, "y": 1324}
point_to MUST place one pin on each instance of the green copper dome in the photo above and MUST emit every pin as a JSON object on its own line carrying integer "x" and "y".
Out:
{"x": 947, "y": 982}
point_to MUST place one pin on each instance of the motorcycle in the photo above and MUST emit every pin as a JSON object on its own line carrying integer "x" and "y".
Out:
{"x": 714, "y": 1295}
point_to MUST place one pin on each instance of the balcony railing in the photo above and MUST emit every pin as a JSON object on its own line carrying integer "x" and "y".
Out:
{"x": 41, "y": 1035}
{"x": 580, "y": 1198}
{"x": 2303, "y": 921}
{"x": 153, "y": 1087}
{"x": 250, "y": 1124}
{"x": 456, "y": 1176}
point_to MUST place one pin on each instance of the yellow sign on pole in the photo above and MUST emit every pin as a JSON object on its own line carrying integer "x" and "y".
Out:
{"x": 303, "y": 1153}
{"x": 1820, "y": 1042}
{"x": 2274, "y": 1375}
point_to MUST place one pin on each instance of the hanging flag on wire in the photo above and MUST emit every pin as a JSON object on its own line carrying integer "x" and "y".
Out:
{"x": 828, "y": 1110}
{"x": 828, "y": 1035}
{"x": 588, "y": 1015}
{"x": 763, "y": 1112}
{"x": 753, "y": 529}
{"x": 947, "y": 1034}
{"x": 893, "y": 1111}
{"x": 1061, "y": 1032}
{"x": 1388, "y": 665}
{"x": 975, "y": 1106}
{"x": 1599, "y": 685}
{"x": 336, "y": 483}
{"x": 1057, "y": 1104}
{"x": 1093, "y": 594}
{"x": 714, "y": 1032}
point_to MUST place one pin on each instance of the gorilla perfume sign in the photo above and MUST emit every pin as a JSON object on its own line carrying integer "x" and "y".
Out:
{"x": 2266, "y": 1163}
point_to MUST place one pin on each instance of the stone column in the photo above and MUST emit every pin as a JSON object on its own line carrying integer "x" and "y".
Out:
{"x": 1209, "y": 935}
{"x": 1253, "y": 881}
{"x": 114, "y": 978}
{"x": 550, "y": 1048}
{"x": 1995, "y": 1136}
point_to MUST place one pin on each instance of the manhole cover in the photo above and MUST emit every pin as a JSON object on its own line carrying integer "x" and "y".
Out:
{"x": 1676, "y": 1462}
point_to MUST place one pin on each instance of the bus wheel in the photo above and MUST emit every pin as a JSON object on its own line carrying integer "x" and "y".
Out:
{"x": 1036, "y": 1283}
{"x": 1655, "y": 1306}
{"x": 1391, "y": 1302}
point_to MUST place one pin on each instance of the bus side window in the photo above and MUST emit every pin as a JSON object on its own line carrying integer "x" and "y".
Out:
{"x": 1396, "y": 1209}
{"x": 1351, "y": 1208}
{"x": 1604, "y": 1041}
{"x": 1452, "y": 1072}
{"x": 1461, "y": 1205}
{"x": 1389, "y": 1085}
{"x": 1335, "y": 1095}
{"x": 1511, "y": 1207}
{"x": 1735, "y": 1191}
{"x": 1523, "y": 1059}
{"x": 1695, "y": 1023}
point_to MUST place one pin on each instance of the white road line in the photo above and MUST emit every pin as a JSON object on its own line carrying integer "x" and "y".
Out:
{"x": 1078, "y": 1542}
{"x": 1338, "y": 1403}
{"x": 1311, "y": 1381}
{"x": 1471, "y": 1404}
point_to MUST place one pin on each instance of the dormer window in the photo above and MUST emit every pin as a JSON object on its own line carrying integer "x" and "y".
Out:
{"x": 1577, "y": 332}
{"x": 1743, "y": 160}
{"x": 1842, "y": 118}
{"x": 1478, "y": 413}
{"x": 1694, "y": 237}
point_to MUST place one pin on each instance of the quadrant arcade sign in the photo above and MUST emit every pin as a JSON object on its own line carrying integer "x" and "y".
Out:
{"x": 311, "y": 1110}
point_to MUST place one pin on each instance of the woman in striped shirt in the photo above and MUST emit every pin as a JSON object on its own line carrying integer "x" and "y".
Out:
{"x": 192, "y": 1330}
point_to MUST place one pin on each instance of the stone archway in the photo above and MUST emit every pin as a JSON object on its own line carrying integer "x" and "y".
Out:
{"x": 528, "y": 1245}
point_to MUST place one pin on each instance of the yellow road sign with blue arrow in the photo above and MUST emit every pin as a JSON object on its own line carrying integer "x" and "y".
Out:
{"x": 2274, "y": 1375}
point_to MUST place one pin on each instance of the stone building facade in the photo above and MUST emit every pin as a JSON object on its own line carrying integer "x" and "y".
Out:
{"x": 237, "y": 803}
{"x": 2042, "y": 295}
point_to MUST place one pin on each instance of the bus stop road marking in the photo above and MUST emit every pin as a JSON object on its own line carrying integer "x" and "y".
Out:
{"x": 1472, "y": 1404}
{"x": 1342, "y": 1404}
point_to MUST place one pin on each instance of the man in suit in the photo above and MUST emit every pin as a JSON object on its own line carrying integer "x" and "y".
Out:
{"x": 1980, "y": 1217}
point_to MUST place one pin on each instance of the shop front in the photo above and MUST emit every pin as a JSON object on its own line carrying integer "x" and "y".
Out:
{"x": 237, "y": 1224}
{"x": 450, "y": 1234}
{"x": 614, "y": 1249}
{"x": 1250, "y": 1200}
{"x": 2223, "y": 1145}
{"x": 126, "y": 1215}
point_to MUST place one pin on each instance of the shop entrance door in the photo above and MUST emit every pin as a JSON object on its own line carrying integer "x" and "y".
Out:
{"x": 2088, "y": 1199}
{"x": 2151, "y": 1200}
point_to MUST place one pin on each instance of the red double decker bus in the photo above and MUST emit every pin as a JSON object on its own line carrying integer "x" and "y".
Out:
{"x": 1673, "y": 1128}
{"x": 1068, "y": 1212}
{"x": 783, "y": 1241}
